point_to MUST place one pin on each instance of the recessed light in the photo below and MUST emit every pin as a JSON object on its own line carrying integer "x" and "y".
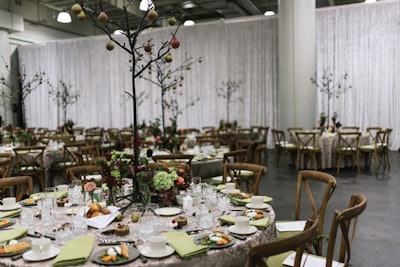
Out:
{"x": 269, "y": 13}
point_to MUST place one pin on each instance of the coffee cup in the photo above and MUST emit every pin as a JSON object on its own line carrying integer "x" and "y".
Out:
{"x": 9, "y": 201}
{"x": 62, "y": 187}
{"x": 257, "y": 200}
{"x": 157, "y": 244}
{"x": 242, "y": 223}
{"x": 230, "y": 187}
{"x": 40, "y": 247}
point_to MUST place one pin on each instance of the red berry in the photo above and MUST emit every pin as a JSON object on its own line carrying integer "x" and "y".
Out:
{"x": 173, "y": 221}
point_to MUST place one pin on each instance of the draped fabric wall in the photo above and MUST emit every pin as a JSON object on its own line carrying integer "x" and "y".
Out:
{"x": 360, "y": 40}
{"x": 239, "y": 50}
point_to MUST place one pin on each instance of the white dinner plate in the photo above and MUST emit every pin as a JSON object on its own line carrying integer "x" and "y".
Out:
{"x": 146, "y": 251}
{"x": 251, "y": 230}
{"x": 224, "y": 191}
{"x": 168, "y": 211}
{"x": 257, "y": 206}
{"x": 29, "y": 256}
{"x": 13, "y": 207}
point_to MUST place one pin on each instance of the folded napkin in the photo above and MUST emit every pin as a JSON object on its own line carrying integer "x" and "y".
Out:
{"x": 220, "y": 187}
{"x": 12, "y": 234}
{"x": 60, "y": 194}
{"x": 100, "y": 222}
{"x": 9, "y": 214}
{"x": 184, "y": 245}
{"x": 75, "y": 251}
{"x": 244, "y": 201}
{"x": 260, "y": 224}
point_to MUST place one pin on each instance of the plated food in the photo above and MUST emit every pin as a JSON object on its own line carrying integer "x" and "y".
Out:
{"x": 117, "y": 255}
{"x": 253, "y": 214}
{"x": 215, "y": 240}
{"x": 28, "y": 202}
{"x": 14, "y": 247}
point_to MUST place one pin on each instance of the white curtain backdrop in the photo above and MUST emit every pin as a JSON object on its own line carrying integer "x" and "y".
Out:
{"x": 239, "y": 50}
{"x": 360, "y": 40}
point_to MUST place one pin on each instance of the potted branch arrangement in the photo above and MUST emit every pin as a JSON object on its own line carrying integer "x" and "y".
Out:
{"x": 101, "y": 20}
{"x": 227, "y": 92}
{"x": 332, "y": 88}
{"x": 169, "y": 80}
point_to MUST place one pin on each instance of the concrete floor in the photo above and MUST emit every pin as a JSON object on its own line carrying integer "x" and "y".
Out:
{"x": 377, "y": 241}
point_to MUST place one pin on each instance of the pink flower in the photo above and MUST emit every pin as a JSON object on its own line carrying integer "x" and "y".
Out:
{"x": 180, "y": 180}
{"x": 89, "y": 187}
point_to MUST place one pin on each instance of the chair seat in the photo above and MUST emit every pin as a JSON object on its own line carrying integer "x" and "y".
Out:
{"x": 276, "y": 260}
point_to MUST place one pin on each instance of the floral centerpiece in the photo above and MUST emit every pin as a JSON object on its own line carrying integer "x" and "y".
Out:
{"x": 89, "y": 187}
{"x": 166, "y": 183}
{"x": 115, "y": 167}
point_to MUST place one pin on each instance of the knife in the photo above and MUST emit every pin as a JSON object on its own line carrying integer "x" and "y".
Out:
{"x": 241, "y": 237}
{"x": 44, "y": 235}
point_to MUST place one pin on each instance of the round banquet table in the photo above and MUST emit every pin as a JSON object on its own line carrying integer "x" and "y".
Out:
{"x": 235, "y": 255}
{"x": 328, "y": 143}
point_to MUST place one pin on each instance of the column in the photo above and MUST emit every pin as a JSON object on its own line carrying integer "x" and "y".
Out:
{"x": 297, "y": 96}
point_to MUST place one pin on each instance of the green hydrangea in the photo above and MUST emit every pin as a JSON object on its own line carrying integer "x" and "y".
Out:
{"x": 163, "y": 180}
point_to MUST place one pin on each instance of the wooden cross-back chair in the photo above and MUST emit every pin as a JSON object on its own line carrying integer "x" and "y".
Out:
{"x": 29, "y": 162}
{"x": 235, "y": 172}
{"x": 305, "y": 181}
{"x": 375, "y": 150}
{"x": 344, "y": 225}
{"x": 22, "y": 185}
{"x": 87, "y": 155}
{"x": 272, "y": 254}
{"x": 165, "y": 165}
{"x": 283, "y": 146}
{"x": 348, "y": 146}
{"x": 307, "y": 147}
{"x": 178, "y": 158}
{"x": 80, "y": 173}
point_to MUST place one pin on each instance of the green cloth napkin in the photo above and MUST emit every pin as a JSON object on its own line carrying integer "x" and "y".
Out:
{"x": 61, "y": 194}
{"x": 220, "y": 187}
{"x": 9, "y": 214}
{"x": 260, "y": 224}
{"x": 75, "y": 251}
{"x": 12, "y": 234}
{"x": 244, "y": 201}
{"x": 184, "y": 245}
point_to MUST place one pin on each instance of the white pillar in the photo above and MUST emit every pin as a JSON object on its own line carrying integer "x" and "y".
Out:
{"x": 297, "y": 96}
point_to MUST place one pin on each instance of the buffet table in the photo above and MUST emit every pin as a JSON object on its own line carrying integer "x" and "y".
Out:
{"x": 234, "y": 255}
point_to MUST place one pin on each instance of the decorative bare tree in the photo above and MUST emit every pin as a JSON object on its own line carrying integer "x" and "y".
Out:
{"x": 102, "y": 21}
{"x": 227, "y": 91}
{"x": 17, "y": 94}
{"x": 169, "y": 80}
{"x": 64, "y": 97}
{"x": 328, "y": 85}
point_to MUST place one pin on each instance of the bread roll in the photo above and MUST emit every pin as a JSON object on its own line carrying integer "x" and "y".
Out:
{"x": 94, "y": 207}
{"x": 105, "y": 211}
{"x": 96, "y": 213}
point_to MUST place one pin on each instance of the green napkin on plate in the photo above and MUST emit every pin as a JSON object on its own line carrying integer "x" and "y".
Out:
{"x": 184, "y": 245}
{"x": 10, "y": 213}
{"x": 60, "y": 194}
{"x": 75, "y": 251}
{"x": 260, "y": 223}
{"x": 12, "y": 234}
{"x": 244, "y": 201}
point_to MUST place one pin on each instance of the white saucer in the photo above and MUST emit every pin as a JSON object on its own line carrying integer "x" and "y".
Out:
{"x": 13, "y": 207}
{"x": 150, "y": 254}
{"x": 251, "y": 230}
{"x": 29, "y": 256}
{"x": 255, "y": 206}
{"x": 168, "y": 211}
{"x": 224, "y": 191}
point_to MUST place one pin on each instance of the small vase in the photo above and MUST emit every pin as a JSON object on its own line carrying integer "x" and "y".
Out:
{"x": 112, "y": 197}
